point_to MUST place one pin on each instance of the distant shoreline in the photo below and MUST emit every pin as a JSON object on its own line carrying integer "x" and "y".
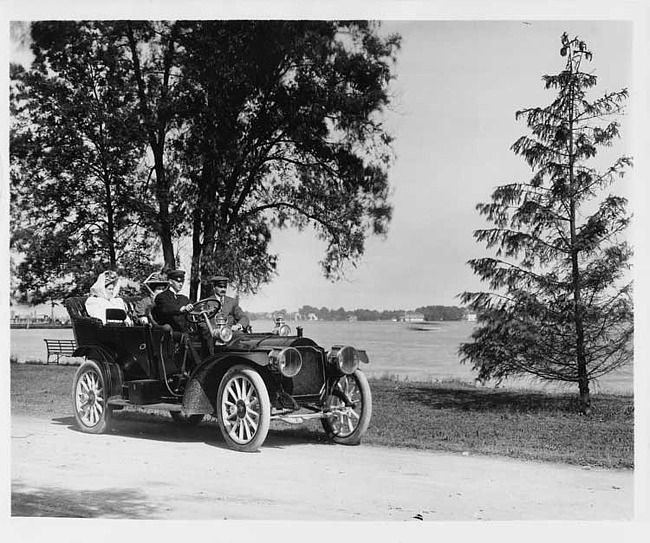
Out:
{"x": 30, "y": 326}
{"x": 394, "y": 350}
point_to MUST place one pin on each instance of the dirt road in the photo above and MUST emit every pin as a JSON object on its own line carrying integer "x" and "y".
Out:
{"x": 152, "y": 469}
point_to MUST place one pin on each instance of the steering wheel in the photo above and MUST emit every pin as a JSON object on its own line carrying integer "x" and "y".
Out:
{"x": 208, "y": 307}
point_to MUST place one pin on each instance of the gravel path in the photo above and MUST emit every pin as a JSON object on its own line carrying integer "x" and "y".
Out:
{"x": 147, "y": 469}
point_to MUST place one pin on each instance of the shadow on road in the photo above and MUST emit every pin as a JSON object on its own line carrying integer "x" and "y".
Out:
{"x": 161, "y": 428}
{"x": 59, "y": 502}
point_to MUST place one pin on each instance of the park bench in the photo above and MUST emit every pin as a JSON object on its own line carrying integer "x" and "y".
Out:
{"x": 59, "y": 347}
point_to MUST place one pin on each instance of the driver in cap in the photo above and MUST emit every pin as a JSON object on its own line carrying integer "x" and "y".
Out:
{"x": 171, "y": 305}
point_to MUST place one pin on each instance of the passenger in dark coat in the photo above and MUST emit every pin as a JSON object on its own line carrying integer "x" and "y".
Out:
{"x": 170, "y": 305}
{"x": 144, "y": 308}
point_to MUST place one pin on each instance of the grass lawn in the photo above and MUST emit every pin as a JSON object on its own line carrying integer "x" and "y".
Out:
{"x": 520, "y": 424}
{"x": 452, "y": 417}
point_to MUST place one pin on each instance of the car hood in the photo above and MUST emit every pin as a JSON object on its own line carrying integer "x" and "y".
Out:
{"x": 267, "y": 342}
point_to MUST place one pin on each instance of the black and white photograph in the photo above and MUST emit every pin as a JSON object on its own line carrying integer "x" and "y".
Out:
{"x": 366, "y": 270}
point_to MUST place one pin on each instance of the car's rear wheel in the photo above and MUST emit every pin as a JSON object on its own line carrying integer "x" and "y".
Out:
{"x": 351, "y": 405}
{"x": 89, "y": 399}
{"x": 244, "y": 409}
{"x": 182, "y": 419}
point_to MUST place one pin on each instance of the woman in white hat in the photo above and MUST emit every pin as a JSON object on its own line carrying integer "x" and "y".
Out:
{"x": 103, "y": 296}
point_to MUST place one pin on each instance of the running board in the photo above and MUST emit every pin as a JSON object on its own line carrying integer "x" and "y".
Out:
{"x": 156, "y": 406}
{"x": 299, "y": 419}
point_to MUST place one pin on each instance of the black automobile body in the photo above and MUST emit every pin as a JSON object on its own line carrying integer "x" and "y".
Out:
{"x": 245, "y": 381}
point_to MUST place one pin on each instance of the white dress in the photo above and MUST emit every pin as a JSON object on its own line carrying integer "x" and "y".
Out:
{"x": 100, "y": 300}
{"x": 96, "y": 306}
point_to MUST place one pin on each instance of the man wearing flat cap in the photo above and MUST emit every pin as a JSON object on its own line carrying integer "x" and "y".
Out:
{"x": 170, "y": 305}
{"x": 235, "y": 315}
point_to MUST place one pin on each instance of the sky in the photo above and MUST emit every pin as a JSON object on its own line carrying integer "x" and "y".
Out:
{"x": 458, "y": 84}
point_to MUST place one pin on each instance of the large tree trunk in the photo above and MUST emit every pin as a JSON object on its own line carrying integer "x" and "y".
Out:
{"x": 204, "y": 229}
{"x": 156, "y": 131}
{"x": 162, "y": 195}
{"x": 207, "y": 252}
{"x": 581, "y": 360}
{"x": 110, "y": 226}
{"x": 195, "y": 273}
{"x": 583, "y": 387}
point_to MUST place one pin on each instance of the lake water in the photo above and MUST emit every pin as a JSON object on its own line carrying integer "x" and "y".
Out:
{"x": 394, "y": 350}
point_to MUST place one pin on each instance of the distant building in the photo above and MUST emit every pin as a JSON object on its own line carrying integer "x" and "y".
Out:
{"x": 40, "y": 311}
{"x": 469, "y": 316}
{"x": 312, "y": 317}
{"x": 25, "y": 319}
{"x": 411, "y": 316}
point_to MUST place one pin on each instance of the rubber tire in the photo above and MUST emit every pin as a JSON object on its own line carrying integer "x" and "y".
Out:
{"x": 104, "y": 422}
{"x": 255, "y": 379}
{"x": 353, "y": 438}
{"x": 186, "y": 420}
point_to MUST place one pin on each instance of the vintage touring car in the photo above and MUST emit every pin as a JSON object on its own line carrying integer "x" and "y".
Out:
{"x": 249, "y": 380}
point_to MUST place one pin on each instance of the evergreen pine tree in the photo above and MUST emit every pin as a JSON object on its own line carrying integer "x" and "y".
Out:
{"x": 561, "y": 302}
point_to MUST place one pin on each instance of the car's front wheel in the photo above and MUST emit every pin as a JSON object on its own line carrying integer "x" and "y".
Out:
{"x": 89, "y": 399}
{"x": 244, "y": 409}
{"x": 350, "y": 404}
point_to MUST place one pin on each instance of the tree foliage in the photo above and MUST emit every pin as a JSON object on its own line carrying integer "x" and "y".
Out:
{"x": 152, "y": 51}
{"x": 75, "y": 143}
{"x": 560, "y": 308}
{"x": 285, "y": 132}
{"x": 218, "y": 130}
{"x": 441, "y": 313}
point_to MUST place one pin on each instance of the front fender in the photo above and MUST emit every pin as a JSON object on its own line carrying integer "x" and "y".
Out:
{"x": 200, "y": 395}
{"x": 106, "y": 361}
